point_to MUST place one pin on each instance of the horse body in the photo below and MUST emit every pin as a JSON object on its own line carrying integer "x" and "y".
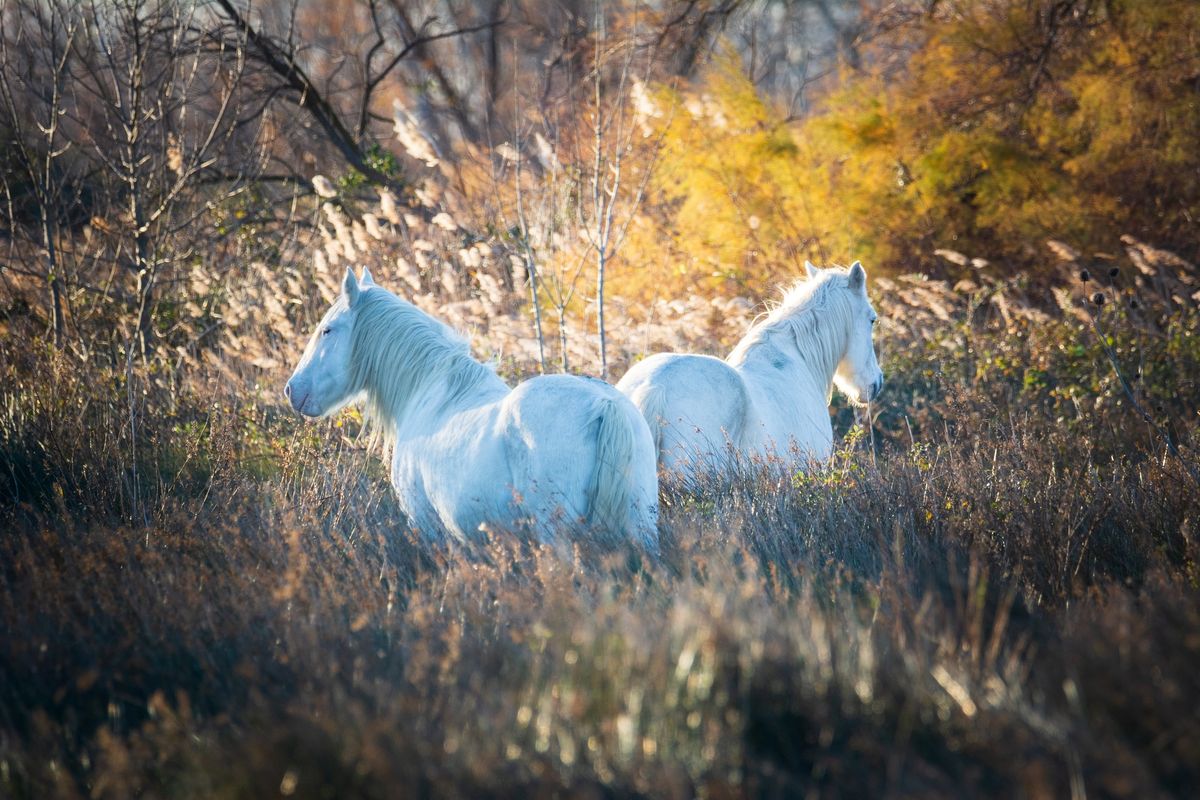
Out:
{"x": 771, "y": 395}
{"x": 556, "y": 453}
{"x": 515, "y": 461}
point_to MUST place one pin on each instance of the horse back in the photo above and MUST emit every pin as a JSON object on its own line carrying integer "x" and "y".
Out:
{"x": 697, "y": 405}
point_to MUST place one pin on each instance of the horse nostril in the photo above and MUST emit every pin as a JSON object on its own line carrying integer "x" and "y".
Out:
{"x": 287, "y": 390}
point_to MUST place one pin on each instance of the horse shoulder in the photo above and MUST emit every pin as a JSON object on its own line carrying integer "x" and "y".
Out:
{"x": 408, "y": 480}
{"x": 449, "y": 478}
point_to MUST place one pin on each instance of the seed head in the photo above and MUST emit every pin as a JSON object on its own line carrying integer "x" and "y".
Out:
{"x": 1084, "y": 275}
{"x": 1133, "y": 304}
{"x": 1098, "y": 298}
{"x": 1114, "y": 272}
{"x": 324, "y": 187}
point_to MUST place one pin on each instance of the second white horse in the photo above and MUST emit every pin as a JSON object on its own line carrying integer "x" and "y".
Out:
{"x": 771, "y": 395}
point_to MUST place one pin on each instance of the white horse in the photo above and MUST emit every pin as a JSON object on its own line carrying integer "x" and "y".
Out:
{"x": 771, "y": 395}
{"x": 556, "y": 454}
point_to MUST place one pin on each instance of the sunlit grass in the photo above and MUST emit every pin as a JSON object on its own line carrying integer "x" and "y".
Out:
{"x": 975, "y": 608}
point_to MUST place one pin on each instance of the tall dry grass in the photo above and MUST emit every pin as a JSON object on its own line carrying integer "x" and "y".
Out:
{"x": 204, "y": 597}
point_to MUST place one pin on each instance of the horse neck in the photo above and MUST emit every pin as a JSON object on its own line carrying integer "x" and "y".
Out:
{"x": 430, "y": 402}
{"x": 421, "y": 375}
{"x": 799, "y": 349}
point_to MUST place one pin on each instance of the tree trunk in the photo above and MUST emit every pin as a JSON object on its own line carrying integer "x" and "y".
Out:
{"x": 52, "y": 279}
{"x": 600, "y": 265}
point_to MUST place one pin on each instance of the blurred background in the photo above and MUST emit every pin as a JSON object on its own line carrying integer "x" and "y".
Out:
{"x": 162, "y": 159}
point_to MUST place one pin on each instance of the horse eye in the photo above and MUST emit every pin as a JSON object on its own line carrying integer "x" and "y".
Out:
{"x": 327, "y": 331}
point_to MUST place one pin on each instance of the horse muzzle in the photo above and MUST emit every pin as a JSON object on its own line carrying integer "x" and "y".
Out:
{"x": 296, "y": 399}
{"x": 876, "y": 388}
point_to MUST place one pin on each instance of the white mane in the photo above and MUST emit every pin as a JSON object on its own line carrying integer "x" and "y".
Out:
{"x": 403, "y": 359}
{"x": 813, "y": 315}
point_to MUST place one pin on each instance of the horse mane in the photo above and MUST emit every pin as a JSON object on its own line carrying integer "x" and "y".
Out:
{"x": 403, "y": 358}
{"x": 812, "y": 312}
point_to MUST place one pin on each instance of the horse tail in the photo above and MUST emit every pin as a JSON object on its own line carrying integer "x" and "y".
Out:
{"x": 613, "y": 489}
{"x": 652, "y": 402}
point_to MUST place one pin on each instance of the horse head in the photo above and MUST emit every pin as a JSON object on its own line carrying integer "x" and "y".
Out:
{"x": 322, "y": 383}
{"x": 858, "y": 373}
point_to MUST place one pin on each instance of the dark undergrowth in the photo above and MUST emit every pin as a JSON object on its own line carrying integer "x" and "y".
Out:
{"x": 202, "y": 597}
{"x": 968, "y": 617}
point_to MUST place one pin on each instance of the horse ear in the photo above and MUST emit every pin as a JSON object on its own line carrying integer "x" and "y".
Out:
{"x": 811, "y": 270}
{"x": 858, "y": 277}
{"x": 350, "y": 287}
{"x": 366, "y": 280}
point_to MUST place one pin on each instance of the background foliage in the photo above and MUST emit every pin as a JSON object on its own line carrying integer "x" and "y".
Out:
{"x": 979, "y": 127}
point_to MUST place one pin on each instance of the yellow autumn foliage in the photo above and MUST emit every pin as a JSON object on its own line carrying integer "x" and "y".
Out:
{"x": 1006, "y": 123}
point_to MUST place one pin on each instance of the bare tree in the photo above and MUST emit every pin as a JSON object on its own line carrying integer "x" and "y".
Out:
{"x": 553, "y": 261}
{"x": 578, "y": 187}
{"x": 690, "y": 29}
{"x": 531, "y": 265}
{"x": 393, "y": 36}
{"x": 159, "y": 105}
{"x": 35, "y": 136}
{"x": 130, "y": 131}
{"x": 613, "y": 131}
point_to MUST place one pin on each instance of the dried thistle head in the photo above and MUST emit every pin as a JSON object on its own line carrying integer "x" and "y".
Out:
{"x": 324, "y": 187}
{"x": 374, "y": 228}
{"x": 445, "y": 222}
{"x": 412, "y": 136}
{"x": 388, "y": 207}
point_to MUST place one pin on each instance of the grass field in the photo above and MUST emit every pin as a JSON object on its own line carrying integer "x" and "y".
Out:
{"x": 992, "y": 591}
